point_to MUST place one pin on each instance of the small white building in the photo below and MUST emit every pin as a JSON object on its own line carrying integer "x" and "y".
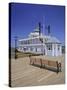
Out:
{"x": 40, "y": 44}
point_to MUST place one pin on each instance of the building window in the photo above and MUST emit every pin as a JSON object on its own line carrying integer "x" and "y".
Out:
{"x": 49, "y": 46}
{"x": 21, "y": 42}
{"x": 36, "y": 49}
{"x": 31, "y": 49}
{"x": 30, "y": 41}
{"x": 58, "y": 47}
{"x": 33, "y": 41}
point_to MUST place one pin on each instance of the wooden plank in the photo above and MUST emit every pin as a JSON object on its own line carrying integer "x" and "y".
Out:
{"x": 32, "y": 60}
{"x": 52, "y": 63}
{"x": 37, "y": 61}
{"x": 45, "y": 62}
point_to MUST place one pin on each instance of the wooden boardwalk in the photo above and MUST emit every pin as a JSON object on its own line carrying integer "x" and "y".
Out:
{"x": 24, "y": 74}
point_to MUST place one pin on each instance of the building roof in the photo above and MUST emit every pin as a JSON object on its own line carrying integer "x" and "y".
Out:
{"x": 51, "y": 39}
{"x": 46, "y": 39}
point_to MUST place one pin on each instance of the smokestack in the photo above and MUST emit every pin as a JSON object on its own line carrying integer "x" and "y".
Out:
{"x": 39, "y": 28}
{"x": 49, "y": 30}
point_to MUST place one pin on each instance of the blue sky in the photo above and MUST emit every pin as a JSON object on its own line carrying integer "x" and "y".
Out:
{"x": 25, "y": 18}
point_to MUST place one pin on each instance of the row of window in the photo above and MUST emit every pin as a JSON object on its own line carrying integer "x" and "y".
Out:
{"x": 35, "y": 41}
{"x": 30, "y": 49}
{"x": 49, "y": 47}
{"x": 31, "y": 41}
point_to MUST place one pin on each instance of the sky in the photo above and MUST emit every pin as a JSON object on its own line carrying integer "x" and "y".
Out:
{"x": 25, "y": 18}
